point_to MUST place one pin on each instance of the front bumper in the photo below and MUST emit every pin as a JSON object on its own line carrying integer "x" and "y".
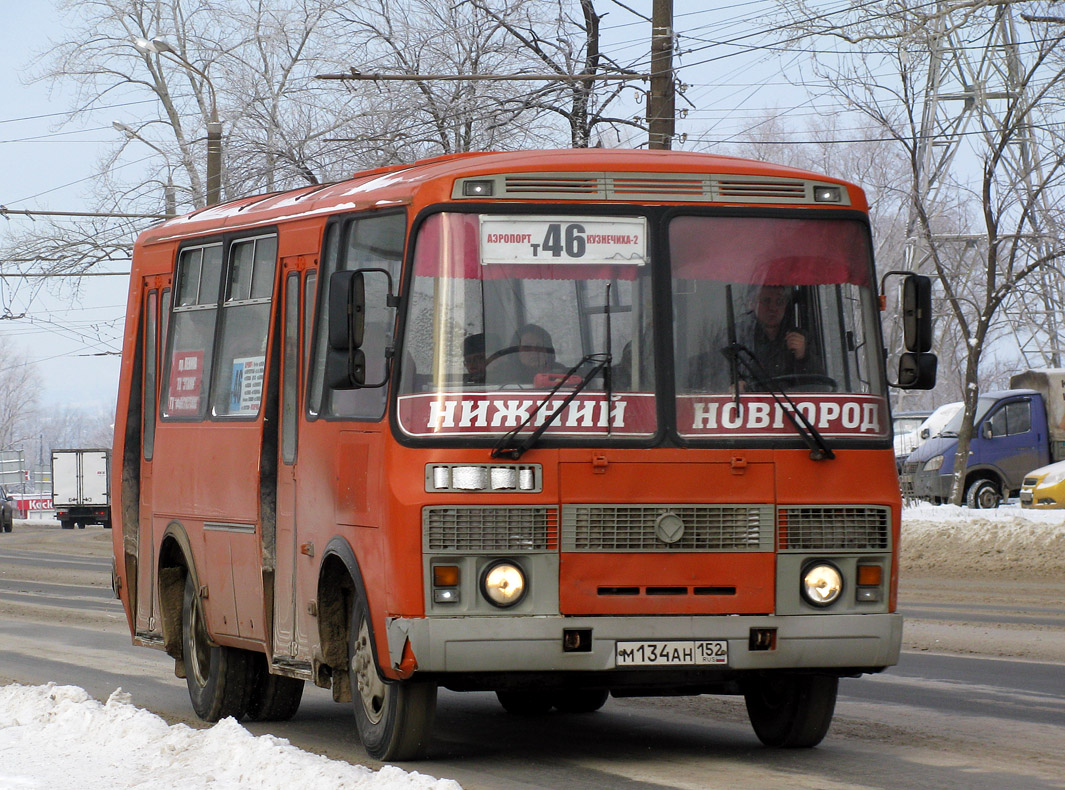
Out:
{"x": 534, "y": 644}
{"x": 932, "y": 486}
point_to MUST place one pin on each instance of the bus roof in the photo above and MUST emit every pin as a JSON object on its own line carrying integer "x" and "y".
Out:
{"x": 433, "y": 180}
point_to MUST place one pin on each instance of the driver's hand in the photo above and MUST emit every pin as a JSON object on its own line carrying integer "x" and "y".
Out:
{"x": 795, "y": 342}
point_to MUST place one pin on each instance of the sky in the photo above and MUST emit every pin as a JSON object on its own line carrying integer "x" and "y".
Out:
{"x": 729, "y": 88}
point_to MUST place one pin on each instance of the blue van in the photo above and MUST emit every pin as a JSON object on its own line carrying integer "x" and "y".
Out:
{"x": 1011, "y": 438}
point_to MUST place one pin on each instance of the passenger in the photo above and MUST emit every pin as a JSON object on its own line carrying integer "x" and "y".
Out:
{"x": 474, "y": 359}
{"x": 535, "y": 354}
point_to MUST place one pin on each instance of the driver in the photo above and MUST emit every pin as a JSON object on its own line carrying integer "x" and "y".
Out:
{"x": 777, "y": 343}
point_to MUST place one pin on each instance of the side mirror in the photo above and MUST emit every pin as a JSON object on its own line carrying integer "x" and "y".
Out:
{"x": 345, "y": 363}
{"x": 917, "y": 371}
{"x": 985, "y": 430}
{"x": 917, "y": 313}
{"x": 925, "y": 433}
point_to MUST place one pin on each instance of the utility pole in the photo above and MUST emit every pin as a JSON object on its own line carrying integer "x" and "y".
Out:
{"x": 661, "y": 111}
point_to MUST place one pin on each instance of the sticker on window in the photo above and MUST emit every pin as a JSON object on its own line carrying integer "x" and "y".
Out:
{"x": 246, "y": 385}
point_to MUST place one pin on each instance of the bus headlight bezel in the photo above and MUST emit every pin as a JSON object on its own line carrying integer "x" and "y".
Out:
{"x": 504, "y": 583}
{"x": 822, "y": 584}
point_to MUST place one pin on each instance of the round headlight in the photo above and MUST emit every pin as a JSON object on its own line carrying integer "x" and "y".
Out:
{"x": 822, "y": 584}
{"x": 503, "y": 583}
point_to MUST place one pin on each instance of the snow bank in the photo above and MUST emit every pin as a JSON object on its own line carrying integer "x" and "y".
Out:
{"x": 57, "y": 736}
{"x": 957, "y": 541}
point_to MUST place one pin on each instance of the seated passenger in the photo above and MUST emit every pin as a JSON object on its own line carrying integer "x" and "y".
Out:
{"x": 473, "y": 358}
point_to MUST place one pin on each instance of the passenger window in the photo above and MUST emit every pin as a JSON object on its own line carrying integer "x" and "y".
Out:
{"x": 150, "y": 373}
{"x": 199, "y": 273}
{"x": 245, "y": 325}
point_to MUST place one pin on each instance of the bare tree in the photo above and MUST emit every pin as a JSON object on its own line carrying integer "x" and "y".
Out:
{"x": 19, "y": 387}
{"x": 984, "y": 181}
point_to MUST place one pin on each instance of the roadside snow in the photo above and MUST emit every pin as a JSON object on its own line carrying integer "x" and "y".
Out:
{"x": 959, "y": 542}
{"x": 59, "y": 737}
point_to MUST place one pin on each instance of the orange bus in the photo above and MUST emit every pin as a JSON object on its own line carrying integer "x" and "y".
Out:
{"x": 553, "y": 424}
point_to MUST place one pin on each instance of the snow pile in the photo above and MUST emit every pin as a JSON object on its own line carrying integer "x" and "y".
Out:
{"x": 58, "y": 736}
{"x": 957, "y": 541}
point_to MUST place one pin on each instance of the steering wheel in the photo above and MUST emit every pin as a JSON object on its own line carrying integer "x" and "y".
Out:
{"x": 805, "y": 382}
{"x": 503, "y": 352}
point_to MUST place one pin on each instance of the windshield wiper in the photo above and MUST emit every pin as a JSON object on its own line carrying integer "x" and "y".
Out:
{"x": 504, "y": 449}
{"x": 740, "y": 355}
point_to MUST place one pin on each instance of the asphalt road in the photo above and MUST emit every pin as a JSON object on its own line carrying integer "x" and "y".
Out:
{"x": 936, "y": 720}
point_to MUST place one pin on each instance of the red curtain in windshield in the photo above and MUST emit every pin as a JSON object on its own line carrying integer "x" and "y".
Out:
{"x": 769, "y": 251}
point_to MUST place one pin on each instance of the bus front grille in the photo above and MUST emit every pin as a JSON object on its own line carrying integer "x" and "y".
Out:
{"x": 667, "y": 528}
{"x": 479, "y": 528}
{"x": 833, "y": 527}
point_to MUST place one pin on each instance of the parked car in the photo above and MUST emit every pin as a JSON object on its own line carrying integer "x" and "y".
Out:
{"x": 933, "y": 423}
{"x": 8, "y": 507}
{"x": 905, "y": 425}
{"x": 1044, "y": 488}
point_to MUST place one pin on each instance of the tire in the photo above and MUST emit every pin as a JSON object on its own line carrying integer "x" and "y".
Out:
{"x": 791, "y": 711}
{"x": 525, "y": 703}
{"x": 394, "y": 718}
{"x": 581, "y": 700}
{"x": 271, "y": 697}
{"x": 983, "y": 495}
{"x": 218, "y": 677}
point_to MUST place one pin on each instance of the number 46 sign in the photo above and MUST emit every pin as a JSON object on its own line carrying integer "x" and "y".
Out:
{"x": 554, "y": 240}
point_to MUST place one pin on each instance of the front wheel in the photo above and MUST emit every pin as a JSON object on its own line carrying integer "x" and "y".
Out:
{"x": 983, "y": 494}
{"x": 217, "y": 676}
{"x": 791, "y": 711}
{"x": 394, "y": 718}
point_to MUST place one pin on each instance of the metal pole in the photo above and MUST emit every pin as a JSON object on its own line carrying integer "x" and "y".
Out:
{"x": 214, "y": 163}
{"x": 660, "y": 101}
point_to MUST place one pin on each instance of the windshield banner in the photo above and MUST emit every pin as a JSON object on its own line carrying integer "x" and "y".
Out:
{"x": 465, "y": 413}
{"x": 760, "y": 415}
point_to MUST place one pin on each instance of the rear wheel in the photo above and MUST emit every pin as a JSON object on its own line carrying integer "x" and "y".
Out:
{"x": 218, "y": 677}
{"x": 581, "y": 700}
{"x": 394, "y": 718}
{"x": 791, "y": 711}
{"x": 525, "y": 703}
{"x": 271, "y": 697}
{"x": 983, "y": 494}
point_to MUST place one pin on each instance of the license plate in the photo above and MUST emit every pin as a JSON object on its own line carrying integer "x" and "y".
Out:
{"x": 671, "y": 653}
{"x": 1026, "y": 497}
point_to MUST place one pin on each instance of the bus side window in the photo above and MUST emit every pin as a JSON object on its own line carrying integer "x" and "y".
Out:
{"x": 191, "y": 331}
{"x": 369, "y": 242}
{"x": 245, "y": 320}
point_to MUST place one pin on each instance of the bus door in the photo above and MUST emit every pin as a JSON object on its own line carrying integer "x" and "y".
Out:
{"x": 287, "y": 631}
{"x": 145, "y": 615}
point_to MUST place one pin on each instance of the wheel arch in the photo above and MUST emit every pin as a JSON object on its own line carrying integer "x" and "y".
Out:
{"x": 175, "y": 564}
{"x": 339, "y": 580}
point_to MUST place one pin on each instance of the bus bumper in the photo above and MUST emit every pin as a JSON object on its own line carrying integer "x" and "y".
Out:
{"x": 535, "y": 644}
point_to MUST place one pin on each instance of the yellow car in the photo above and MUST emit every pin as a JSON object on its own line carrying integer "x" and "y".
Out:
{"x": 1044, "y": 487}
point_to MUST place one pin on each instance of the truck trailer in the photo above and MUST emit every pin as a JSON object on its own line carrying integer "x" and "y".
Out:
{"x": 80, "y": 487}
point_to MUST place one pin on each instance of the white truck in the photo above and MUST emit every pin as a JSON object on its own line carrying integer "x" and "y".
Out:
{"x": 81, "y": 492}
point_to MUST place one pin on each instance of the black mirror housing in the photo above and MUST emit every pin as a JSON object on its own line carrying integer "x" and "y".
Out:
{"x": 917, "y": 313}
{"x": 345, "y": 369}
{"x": 917, "y": 371}
{"x": 347, "y": 310}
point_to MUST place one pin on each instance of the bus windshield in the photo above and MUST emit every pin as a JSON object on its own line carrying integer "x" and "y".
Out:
{"x": 774, "y": 304}
{"x": 502, "y": 307}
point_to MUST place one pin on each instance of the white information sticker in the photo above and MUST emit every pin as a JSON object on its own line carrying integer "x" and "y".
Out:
{"x": 529, "y": 239}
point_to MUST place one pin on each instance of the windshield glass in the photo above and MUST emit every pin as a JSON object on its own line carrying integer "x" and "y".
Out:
{"x": 768, "y": 304}
{"x": 953, "y": 428}
{"x": 503, "y": 306}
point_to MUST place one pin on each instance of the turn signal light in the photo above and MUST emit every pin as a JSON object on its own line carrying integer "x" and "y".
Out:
{"x": 870, "y": 575}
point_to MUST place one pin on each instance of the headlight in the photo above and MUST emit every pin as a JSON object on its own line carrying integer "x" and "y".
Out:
{"x": 822, "y": 584}
{"x": 503, "y": 583}
{"x": 934, "y": 464}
